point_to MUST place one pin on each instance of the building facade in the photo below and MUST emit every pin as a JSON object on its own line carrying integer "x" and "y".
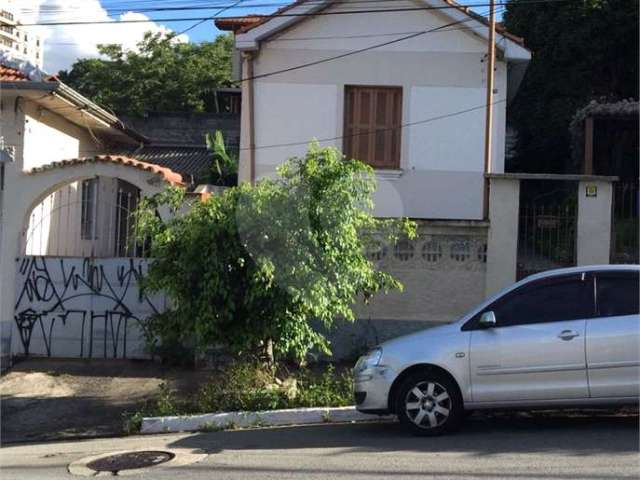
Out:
{"x": 19, "y": 41}
{"x": 408, "y": 97}
{"x": 401, "y": 86}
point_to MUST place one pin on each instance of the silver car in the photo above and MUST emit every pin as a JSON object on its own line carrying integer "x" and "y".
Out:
{"x": 561, "y": 338}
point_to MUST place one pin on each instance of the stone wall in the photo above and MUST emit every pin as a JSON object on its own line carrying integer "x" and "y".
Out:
{"x": 75, "y": 307}
{"x": 443, "y": 272}
{"x": 186, "y": 128}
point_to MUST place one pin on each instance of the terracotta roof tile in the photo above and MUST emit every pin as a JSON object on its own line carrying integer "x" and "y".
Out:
{"x": 236, "y": 24}
{"x": 8, "y": 74}
{"x": 11, "y": 74}
{"x": 169, "y": 175}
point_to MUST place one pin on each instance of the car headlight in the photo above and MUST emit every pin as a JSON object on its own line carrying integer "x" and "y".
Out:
{"x": 371, "y": 359}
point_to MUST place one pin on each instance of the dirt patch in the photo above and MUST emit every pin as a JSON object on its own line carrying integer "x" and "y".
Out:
{"x": 47, "y": 399}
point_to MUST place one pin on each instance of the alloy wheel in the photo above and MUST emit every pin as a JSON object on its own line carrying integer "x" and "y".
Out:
{"x": 428, "y": 405}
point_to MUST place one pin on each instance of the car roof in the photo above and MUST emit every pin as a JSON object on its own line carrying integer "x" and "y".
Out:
{"x": 585, "y": 268}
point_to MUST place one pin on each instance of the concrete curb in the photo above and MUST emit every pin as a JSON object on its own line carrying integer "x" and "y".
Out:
{"x": 270, "y": 418}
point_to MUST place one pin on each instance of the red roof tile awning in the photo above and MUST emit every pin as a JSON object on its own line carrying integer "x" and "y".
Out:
{"x": 238, "y": 23}
{"x": 167, "y": 174}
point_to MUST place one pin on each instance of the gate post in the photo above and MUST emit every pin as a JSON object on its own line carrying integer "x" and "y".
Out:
{"x": 502, "y": 243}
{"x": 594, "y": 221}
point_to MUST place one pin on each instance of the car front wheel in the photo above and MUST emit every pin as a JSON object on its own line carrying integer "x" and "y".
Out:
{"x": 429, "y": 403}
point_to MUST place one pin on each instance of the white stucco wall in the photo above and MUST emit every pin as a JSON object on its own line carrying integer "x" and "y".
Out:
{"x": 441, "y": 74}
{"x": 49, "y": 137}
{"x": 502, "y": 243}
{"x": 81, "y": 307}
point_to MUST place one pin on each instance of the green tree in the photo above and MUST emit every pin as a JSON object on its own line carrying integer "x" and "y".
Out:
{"x": 161, "y": 75}
{"x": 255, "y": 268}
{"x": 582, "y": 50}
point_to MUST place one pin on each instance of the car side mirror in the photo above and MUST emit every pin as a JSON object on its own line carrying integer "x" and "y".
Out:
{"x": 487, "y": 320}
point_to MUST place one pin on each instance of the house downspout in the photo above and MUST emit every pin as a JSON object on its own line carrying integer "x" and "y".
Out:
{"x": 248, "y": 156}
{"x": 488, "y": 133}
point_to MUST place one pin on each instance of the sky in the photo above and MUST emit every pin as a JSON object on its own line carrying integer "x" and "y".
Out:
{"x": 65, "y": 44}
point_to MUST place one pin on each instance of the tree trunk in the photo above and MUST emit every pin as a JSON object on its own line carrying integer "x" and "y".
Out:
{"x": 267, "y": 358}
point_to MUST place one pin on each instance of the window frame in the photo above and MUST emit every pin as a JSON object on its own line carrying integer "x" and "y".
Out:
{"x": 89, "y": 208}
{"x": 622, "y": 273}
{"x": 473, "y": 322}
{"x": 347, "y": 139}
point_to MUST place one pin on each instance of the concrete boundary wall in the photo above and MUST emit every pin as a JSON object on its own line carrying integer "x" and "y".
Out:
{"x": 81, "y": 307}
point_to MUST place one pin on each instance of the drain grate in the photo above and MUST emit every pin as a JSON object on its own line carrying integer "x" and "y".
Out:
{"x": 130, "y": 461}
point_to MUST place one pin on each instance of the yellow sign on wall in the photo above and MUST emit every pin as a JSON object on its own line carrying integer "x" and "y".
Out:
{"x": 591, "y": 190}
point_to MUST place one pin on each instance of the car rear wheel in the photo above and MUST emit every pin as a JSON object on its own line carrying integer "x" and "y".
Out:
{"x": 429, "y": 403}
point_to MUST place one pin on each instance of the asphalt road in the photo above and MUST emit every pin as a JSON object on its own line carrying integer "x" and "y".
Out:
{"x": 502, "y": 447}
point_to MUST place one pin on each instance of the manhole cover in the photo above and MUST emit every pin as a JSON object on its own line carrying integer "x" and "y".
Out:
{"x": 130, "y": 461}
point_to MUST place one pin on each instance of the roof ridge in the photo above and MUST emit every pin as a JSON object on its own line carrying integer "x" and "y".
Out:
{"x": 251, "y": 21}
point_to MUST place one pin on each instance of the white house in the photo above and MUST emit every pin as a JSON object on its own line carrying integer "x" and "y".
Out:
{"x": 401, "y": 85}
{"x": 423, "y": 88}
{"x": 68, "y": 261}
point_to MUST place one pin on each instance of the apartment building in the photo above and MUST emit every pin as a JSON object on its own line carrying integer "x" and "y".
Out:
{"x": 19, "y": 41}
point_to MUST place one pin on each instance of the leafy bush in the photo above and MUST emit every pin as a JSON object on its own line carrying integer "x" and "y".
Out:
{"x": 252, "y": 268}
{"x": 224, "y": 169}
{"x": 242, "y": 387}
{"x": 330, "y": 389}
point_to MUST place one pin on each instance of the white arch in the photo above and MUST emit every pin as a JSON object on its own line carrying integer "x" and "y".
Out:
{"x": 24, "y": 190}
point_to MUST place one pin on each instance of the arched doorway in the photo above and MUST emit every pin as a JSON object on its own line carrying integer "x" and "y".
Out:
{"x": 69, "y": 296}
{"x": 91, "y": 217}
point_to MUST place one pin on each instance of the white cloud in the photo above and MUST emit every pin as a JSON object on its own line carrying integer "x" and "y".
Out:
{"x": 64, "y": 44}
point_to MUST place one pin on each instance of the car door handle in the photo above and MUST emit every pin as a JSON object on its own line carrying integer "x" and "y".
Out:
{"x": 568, "y": 334}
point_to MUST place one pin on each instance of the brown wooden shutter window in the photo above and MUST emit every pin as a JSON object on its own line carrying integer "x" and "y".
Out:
{"x": 372, "y": 125}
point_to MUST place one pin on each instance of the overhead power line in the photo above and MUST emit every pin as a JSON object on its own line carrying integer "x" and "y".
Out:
{"x": 200, "y": 22}
{"x": 188, "y": 6}
{"x": 355, "y": 52}
{"x": 377, "y": 130}
{"x": 332, "y": 37}
{"x": 366, "y": 132}
{"x": 284, "y": 14}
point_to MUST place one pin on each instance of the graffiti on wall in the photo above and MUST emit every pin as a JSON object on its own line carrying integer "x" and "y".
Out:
{"x": 82, "y": 307}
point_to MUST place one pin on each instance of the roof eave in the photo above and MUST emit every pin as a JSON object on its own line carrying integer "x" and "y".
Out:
{"x": 251, "y": 38}
{"x": 69, "y": 95}
{"x": 100, "y": 113}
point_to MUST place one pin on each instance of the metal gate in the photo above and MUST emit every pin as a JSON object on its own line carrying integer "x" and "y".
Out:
{"x": 546, "y": 237}
{"x": 624, "y": 229}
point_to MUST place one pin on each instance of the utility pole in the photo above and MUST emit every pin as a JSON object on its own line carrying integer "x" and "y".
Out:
{"x": 491, "y": 62}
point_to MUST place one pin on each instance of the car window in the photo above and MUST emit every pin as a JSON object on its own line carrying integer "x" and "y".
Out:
{"x": 568, "y": 297}
{"x": 617, "y": 293}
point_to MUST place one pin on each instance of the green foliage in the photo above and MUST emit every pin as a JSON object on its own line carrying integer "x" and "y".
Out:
{"x": 247, "y": 386}
{"x": 581, "y": 51}
{"x": 224, "y": 170}
{"x": 251, "y": 268}
{"x": 242, "y": 387}
{"x": 132, "y": 422}
{"x": 330, "y": 389}
{"x": 162, "y": 75}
